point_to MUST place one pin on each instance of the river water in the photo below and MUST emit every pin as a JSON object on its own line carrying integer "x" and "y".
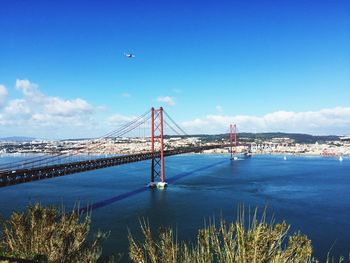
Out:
{"x": 310, "y": 193}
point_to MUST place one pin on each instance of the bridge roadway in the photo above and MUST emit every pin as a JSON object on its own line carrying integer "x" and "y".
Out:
{"x": 18, "y": 176}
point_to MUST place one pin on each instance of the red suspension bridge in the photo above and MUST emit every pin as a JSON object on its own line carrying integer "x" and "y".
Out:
{"x": 66, "y": 161}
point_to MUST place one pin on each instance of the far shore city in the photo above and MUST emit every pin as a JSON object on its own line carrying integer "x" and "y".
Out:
{"x": 304, "y": 144}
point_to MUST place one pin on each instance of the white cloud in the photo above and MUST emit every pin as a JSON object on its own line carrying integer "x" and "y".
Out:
{"x": 219, "y": 108}
{"x": 125, "y": 95}
{"x": 29, "y": 89}
{"x": 37, "y": 114}
{"x": 176, "y": 90}
{"x": 35, "y": 110}
{"x": 118, "y": 119}
{"x": 324, "y": 121}
{"x": 17, "y": 107}
{"x": 58, "y": 106}
{"x": 170, "y": 101}
{"x": 3, "y": 94}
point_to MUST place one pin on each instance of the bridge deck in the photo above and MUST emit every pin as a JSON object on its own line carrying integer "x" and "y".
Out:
{"x": 18, "y": 176}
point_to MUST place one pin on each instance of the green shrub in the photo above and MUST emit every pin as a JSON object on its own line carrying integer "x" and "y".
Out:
{"x": 224, "y": 243}
{"x": 47, "y": 233}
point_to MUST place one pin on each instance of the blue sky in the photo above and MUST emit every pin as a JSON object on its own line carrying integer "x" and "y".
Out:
{"x": 217, "y": 61}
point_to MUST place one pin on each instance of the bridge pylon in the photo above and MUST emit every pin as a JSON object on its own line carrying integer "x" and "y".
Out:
{"x": 233, "y": 136}
{"x": 157, "y": 139}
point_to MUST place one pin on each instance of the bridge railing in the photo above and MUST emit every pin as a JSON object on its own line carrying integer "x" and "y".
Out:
{"x": 17, "y": 176}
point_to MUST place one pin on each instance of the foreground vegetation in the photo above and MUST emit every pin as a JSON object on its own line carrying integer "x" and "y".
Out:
{"x": 48, "y": 234}
{"x": 224, "y": 243}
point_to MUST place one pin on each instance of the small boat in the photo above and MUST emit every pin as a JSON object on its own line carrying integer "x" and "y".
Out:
{"x": 340, "y": 158}
{"x": 235, "y": 158}
{"x": 285, "y": 158}
{"x": 247, "y": 154}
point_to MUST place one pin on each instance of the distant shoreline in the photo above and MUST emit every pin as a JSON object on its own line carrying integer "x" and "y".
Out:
{"x": 280, "y": 153}
{"x": 201, "y": 153}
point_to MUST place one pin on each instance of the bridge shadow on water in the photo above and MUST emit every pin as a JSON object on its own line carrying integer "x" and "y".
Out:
{"x": 137, "y": 191}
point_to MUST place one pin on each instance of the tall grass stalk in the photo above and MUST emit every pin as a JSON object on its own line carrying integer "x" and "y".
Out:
{"x": 224, "y": 243}
{"x": 50, "y": 232}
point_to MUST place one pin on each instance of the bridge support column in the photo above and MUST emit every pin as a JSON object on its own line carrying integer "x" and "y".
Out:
{"x": 233, "y": 135}
{"x": 235, "y": 130}
{"x": 231, "y": 141}
{"x": 157, "y": 136}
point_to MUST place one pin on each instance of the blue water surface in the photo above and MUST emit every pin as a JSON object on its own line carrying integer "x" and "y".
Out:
{"x": 310, "y": 193}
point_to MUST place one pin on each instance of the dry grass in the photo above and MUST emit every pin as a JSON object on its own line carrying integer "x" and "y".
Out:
{"x": 224, "y": 243}
{"x": 48, "y": 231}
{"x": 47, "y": 234}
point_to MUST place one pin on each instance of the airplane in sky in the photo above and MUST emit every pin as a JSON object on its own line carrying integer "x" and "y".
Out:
{"x": 129, "y": 55}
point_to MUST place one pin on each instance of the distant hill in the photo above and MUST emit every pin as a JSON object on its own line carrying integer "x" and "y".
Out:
{"x": 298, "y": 137}
{"x": 17, "y": 139}
{"x": 246, "y": 136}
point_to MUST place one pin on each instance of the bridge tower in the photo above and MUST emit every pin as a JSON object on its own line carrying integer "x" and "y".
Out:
{"x": 233, "y": 136}
{"x": 157, "y": 138}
